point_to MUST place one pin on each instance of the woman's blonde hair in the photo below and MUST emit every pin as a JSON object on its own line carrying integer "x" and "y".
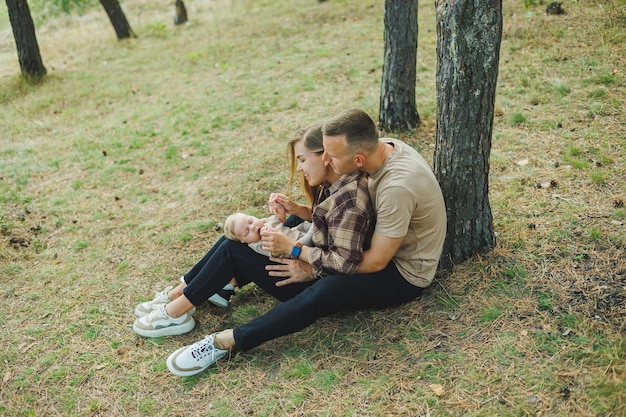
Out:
{"x": 312, "y": 138}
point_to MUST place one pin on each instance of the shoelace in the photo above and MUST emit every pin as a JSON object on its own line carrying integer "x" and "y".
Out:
{"x": 161, "y": 297}
{"x": 203, "y": 348}
{"x": 157, "y": 313}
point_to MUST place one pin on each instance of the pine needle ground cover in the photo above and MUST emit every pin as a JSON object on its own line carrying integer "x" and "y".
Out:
{"x": 117, "y": 170}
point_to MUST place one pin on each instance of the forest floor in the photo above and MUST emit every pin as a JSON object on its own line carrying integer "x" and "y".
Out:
{"x": 117, "y": 170}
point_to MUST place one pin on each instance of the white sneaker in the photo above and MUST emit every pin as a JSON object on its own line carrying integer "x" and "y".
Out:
{"x": 192, "y": 359}
{"x": 157, "y": 323}
{"x": 222, "y": 297}
{"x": 159, "y": 298}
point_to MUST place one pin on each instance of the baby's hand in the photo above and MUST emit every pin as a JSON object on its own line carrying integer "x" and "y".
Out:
{"x": 279, "y": 211}
{"x": 276, "y": 207}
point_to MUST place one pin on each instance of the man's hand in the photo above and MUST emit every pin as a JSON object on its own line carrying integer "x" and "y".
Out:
{"x": 292, "y": 269}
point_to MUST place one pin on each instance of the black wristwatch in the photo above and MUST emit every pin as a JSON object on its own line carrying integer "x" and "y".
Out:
{"x": 295, "y": 251}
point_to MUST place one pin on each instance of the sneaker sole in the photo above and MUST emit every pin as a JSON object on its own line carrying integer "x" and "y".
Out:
{"x": 172, "y": 330}
{"x": 218, "y": 300}
{"x": 176, "y": 370}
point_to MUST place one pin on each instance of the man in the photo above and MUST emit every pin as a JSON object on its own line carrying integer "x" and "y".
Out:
{"x": 401, "y": 261}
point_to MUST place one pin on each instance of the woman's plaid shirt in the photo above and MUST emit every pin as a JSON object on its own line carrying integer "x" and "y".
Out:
{"x": 343, "y": 222}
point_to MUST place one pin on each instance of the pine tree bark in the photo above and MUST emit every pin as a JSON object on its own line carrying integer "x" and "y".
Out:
{"x": 23, "y": 27}
{"x": 469, "y": 34}
{"x": 118, "y": 19}
{"x": 397, "y": 93}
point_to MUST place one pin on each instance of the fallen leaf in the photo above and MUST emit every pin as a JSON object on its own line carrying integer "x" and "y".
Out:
{"x": 7, "y": 376}
{"x": 437, "y": 389}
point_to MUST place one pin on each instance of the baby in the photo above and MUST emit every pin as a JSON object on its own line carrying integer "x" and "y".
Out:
{"x": 247, "y": 229}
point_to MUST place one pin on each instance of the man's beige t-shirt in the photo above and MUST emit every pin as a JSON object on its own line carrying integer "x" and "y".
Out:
{"x": 408, "y": 202}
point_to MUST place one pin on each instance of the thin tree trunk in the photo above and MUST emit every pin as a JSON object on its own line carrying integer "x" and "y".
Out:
{"x": 23, "y": 27}
{"x": 180, "y": 16}
{"x": 469, "y": 34}
{"x": 397, "y": 92}
{"x": 118, "y": 19}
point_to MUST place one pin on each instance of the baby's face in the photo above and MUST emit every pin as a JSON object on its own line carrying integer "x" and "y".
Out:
{"x": 248, "y": 228}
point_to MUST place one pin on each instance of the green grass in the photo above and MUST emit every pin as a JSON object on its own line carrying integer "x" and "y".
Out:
{"x": 117, "y": 170}
{"x": 518, "y": 119}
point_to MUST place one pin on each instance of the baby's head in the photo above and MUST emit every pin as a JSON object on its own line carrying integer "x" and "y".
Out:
{"x": 243, "y": 228}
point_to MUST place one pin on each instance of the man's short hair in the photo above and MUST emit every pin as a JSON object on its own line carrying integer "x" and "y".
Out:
{"x": 359, "y": 128}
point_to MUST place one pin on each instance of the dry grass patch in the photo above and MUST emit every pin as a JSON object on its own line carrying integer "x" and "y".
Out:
{"x": 116, "y": 172}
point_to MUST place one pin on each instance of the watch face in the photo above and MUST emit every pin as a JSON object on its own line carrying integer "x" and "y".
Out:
{"x": 295, "y": 251}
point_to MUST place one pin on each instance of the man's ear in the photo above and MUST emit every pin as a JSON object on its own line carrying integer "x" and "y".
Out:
{"x": 360, "y": 160}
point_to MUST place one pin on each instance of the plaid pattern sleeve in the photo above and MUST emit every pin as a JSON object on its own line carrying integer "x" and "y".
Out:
{"x": 342, "y": 225}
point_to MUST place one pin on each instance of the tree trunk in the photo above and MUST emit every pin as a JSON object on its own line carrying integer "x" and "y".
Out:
{"x": 469, "y": 34}
{"x": 397, "y": 92}
{"x": 23, "y": 27}
{"x": 180, "y": 16}
{"x": 118, "y": 19}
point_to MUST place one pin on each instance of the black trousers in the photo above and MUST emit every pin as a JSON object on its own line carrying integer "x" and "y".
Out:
{"x": 302, "y": 303}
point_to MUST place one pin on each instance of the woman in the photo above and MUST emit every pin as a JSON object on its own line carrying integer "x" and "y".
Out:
{"x": 341, "y": 218}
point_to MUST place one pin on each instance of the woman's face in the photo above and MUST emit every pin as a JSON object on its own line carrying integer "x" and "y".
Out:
{"x": 310, "y": 164}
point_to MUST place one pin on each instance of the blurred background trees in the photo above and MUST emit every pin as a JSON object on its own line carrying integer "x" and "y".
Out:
{"x": 23, "y": 27}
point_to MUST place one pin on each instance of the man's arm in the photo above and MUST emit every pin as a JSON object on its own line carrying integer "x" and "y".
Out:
{"x": 375, "y": 259}
{"x": 379, "y": 254}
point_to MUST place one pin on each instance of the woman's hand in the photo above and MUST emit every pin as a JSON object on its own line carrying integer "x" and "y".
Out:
{"x": 280, "y": 205}
{"x": 276, "y": 242}
{"x": 293, "y": 271}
